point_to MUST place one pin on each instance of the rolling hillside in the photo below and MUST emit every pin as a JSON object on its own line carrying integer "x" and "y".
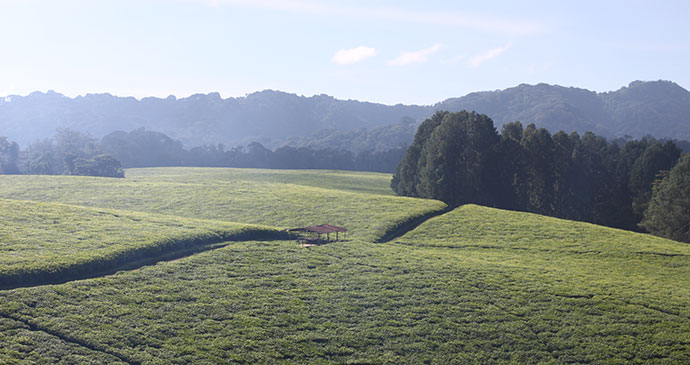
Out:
{"x": 281, "y": 199}
{"x": 472, "y": 285}
{"x": 49, "y": 242}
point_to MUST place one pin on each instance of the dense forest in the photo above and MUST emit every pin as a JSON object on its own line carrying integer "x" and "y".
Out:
{"x": 461, "y": 158}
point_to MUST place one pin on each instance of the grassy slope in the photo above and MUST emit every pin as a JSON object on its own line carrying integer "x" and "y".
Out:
{"x": 361, "y": 182}
{"x": 233, "y": 195}
{"x": 19, "y": 344}
{"x": 625, "y": 291}
{"x": 48, "y": 240}
{"x": 646, "y": 268}
{"x": 474, "y": 285}
{"x": 460, "y": 288}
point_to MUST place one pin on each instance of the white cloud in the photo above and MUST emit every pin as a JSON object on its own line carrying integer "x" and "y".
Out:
{"x": 477, "y": 60}
{"x": 353, "y": 55}
{"x": 453, "y": 60}
{"x": 449, "y": 18}
{"x": 416, "y": 56}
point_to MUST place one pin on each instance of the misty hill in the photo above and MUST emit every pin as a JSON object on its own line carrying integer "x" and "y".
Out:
{"x": 658, "y": 108}
{"x": 266, "y": 117}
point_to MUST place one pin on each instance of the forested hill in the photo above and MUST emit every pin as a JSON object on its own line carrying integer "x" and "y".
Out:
{"x": 267, "y": 116}
{"x": 659, "y": 108}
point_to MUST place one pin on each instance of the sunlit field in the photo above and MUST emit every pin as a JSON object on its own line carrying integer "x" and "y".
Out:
{"x": 472, "y": 285}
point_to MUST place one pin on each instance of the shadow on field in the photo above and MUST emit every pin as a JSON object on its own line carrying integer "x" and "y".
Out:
{"x": 134, "y": 259}
{"x": 410, "y": 224}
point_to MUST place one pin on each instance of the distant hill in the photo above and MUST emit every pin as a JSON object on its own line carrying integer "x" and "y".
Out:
{"x": 268, "y": 116}
{"x": 658, "y": 108}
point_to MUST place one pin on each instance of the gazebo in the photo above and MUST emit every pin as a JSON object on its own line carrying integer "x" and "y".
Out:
{"x": 313, "y": 234}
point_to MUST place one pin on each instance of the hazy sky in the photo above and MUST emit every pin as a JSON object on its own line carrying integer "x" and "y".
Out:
{"x": 412, "y": 52}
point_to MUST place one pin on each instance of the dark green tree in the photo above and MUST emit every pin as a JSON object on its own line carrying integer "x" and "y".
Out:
{"x": 668, "y": 213}
{"x": 511, "y": 167}
{"x": 538, "y": 188}
{"x": 457, "y": 164}
{"x": 655, "y": 158}
{"x": 406, "y": 177}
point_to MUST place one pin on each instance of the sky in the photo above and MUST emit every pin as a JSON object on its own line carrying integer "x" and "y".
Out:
{"x": 409, "y": 52}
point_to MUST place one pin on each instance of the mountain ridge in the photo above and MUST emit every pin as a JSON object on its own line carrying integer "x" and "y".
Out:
{"x": 275, "y": 118}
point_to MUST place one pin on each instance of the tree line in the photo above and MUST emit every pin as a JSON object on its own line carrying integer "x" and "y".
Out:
{"x": 67, "y": 153}
{"x": 461, "y": 158}
{"x": 142, "y": 148}
{"x": 73, "y": 153}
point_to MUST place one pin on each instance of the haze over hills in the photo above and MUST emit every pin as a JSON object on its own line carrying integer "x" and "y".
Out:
{"x": 274, "y": 118}
{"x": 657, "y": 108}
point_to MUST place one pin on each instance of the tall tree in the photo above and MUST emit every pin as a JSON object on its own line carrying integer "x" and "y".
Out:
{"x": 9, "y": 157}
{"x": 655, "y": 158}
{"x": 668, "y": 213}
{"x": 457, "y": 163}
{"x": 406, "y": 178}
{"x": 539, "y": 170}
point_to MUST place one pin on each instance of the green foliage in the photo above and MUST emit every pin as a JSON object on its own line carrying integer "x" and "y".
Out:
{"x": 655, "y": 158}
{"x": 455, "y": 163}
{"x": 406, "y": 176}
{"x": 100, "y": 165}
{"x": 668, "y": 214}
{"x": 459, "y": 158}
{"x": 68, "y": 153}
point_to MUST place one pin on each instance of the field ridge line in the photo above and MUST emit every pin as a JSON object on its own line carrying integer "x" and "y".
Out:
{"x": 184, "y": 248}
{"x": 410, "y": 224}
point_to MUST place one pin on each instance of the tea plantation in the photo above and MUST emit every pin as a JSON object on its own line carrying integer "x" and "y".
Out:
{"x": 476, "y": 284}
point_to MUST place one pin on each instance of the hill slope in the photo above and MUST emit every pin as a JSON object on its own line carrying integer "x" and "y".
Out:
{"x": 285, "y": 199}
{"x": 474, "y": 285}
{"x": 47, "y": 242}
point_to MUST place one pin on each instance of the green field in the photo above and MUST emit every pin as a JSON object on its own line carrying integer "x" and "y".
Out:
{"x": 235, "y": 195}
{"x": 51, "y": 241}
{"x": 473, "y": 285}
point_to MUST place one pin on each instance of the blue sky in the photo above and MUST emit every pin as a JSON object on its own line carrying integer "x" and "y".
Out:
{"x": 411, "y": 52}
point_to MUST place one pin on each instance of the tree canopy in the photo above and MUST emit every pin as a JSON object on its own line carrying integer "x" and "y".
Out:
{"x": 668, "y": 214}
{"x": 460, "y": 158}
